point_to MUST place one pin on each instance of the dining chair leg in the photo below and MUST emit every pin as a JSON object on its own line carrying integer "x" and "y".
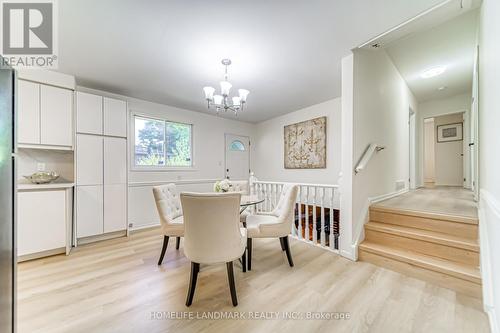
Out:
{"x": 244, "y": 261}
{"x": 177, "y": 243}
{"x": 249, "y": 254}
{"x": 286, "y": 243}
{"x": 282, "y": 244}
{"x": 232, "y": 287}
{"x": 163, "y": 249}
{"x": 195, "y": 268}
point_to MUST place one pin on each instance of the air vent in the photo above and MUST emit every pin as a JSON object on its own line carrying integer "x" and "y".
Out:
{"x": 400, "y": 185}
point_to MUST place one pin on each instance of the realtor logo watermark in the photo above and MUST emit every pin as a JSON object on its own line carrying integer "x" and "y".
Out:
{"x": 29, "y": 33}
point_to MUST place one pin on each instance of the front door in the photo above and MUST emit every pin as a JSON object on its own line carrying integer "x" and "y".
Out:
{"x": 237, "y": 157}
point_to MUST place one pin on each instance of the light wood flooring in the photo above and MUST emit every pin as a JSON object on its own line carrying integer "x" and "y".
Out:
{"x": 439, "y": 199}
{"x": 116, "y": 285}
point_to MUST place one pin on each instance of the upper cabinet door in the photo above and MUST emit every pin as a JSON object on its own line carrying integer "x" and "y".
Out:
{"x": 56, "y": 116}
{"x": 115, "y": 160}
{"x": 88, "y": 113}
{"x": 115, "y": 117}
{"x": 89, "y": 159}
{"x": 28, "y": 112}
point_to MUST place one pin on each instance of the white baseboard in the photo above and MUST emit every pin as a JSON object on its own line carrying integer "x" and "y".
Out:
{"x": 144, "y": 226}
{"x": 387, "y": 196}
{"x": 489, "y": 218}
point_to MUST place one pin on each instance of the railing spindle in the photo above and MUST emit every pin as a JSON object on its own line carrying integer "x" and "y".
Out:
{"x": 306, "y": 231}
{"x": 299, "y": 213}
{"x": 322, "y": 232}
{"x": 315, "y": 235}
{"x": 331, "y": 240}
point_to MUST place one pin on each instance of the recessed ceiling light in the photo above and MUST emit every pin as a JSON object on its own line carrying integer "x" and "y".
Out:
{"x": 442, "y": 88}
{"x": 431, "y": 72}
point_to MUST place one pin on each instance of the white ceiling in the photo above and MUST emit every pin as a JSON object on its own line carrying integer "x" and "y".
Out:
{"x": 450, "y": 44}
{"x": 286, "y": 52}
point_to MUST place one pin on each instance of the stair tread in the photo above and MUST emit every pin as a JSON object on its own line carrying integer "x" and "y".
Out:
{"x": 425, "y": 235}
{"x": 426, "y": 214}
{"x": 455, "y": 269}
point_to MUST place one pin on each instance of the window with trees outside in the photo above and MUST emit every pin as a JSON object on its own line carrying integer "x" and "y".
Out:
{"x": 161, "y": 143}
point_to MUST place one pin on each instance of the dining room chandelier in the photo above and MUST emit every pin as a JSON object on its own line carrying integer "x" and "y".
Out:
{"x": 223, "y": 101}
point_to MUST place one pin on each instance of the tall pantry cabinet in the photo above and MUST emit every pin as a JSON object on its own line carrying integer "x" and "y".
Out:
{"x": 101, "y": 166}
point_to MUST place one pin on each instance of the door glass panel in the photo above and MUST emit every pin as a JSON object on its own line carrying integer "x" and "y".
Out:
{"x": 237, "y": 145}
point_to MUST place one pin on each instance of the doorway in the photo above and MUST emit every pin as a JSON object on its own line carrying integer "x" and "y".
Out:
{"x": 237, "y": 157}
{"x": 411, "y": 150}
{"x": 443, "y": 150}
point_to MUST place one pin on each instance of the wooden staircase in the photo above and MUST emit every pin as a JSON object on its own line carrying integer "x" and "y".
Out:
{"x": 442, "y": 249}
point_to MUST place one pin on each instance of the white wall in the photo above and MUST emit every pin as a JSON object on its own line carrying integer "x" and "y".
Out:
{"x": 269, "y": 146}
{"x": 439, "y": 107}
{"x": 489, "y": 158}
{"x": 55, "y": 160}
{"x": 208, "y": 155}
{"x": 429, "y": 141}
{"x": 380, "y": 109}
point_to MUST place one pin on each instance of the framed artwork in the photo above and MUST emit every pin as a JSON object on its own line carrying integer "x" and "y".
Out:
{"x": 305, "y": 144}
{"x": 450, "y": 132}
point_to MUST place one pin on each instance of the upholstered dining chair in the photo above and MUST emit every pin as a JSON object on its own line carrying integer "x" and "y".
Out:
{"x": 169, "y": 208}
{"x": 277, "y": 223}
{"x": 212, "y": 234}
{"x": 241, "y": 186}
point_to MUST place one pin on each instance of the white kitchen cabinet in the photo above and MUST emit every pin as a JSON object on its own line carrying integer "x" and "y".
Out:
{"x": 115, "y": 117}
{"x": 89, "y": 160}
{"x": 28, "y": 112}
{"x": 89, "y": 210}
{"x": 101, "y": 167}
{"x": 115, "y": 160}
{"x": 42, "y": 221}
{"x": 89, "y": 113}
{"x": 56, "y": 116}
{"x": 115, "y": 207}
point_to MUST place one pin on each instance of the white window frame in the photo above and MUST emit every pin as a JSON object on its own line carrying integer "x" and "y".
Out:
{"x": 158, "y": 168}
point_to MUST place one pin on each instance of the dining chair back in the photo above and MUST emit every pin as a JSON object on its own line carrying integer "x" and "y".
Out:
{"x": 212, "y": 234}
{"x": 169, "y": 208}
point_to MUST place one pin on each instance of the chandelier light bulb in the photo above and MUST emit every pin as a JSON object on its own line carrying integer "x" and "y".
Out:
{"x": 225, "y": 87}
{"x": 236, "y": 101}
{"x": 209, "y": 93}
{"x": 218, "y": 99}
{"x": 243, "y": 94}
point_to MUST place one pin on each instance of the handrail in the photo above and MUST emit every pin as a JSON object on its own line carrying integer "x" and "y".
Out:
{"x": 301, "y": 184}
{"x": 367, "y": 155}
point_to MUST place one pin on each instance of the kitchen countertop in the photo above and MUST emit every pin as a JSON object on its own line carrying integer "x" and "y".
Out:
{"x": 23, "y": 184}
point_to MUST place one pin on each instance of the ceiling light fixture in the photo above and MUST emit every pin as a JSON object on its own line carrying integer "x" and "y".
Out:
{"x": 431, "y": 72}
{"x": 222, "y": 101}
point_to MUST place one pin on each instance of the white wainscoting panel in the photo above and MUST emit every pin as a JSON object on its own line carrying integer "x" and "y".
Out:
{"x": 489, "y": 237}
{"x": 141, "y": 204}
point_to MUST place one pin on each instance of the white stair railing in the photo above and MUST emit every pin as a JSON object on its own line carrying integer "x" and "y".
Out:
{"x": 316, "y": 211}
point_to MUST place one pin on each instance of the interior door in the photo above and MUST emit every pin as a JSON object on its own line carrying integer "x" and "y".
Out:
{"x": 237, "y": 157}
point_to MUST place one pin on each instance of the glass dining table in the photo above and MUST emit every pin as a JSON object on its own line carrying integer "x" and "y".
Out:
{"x": 249, "y": 200}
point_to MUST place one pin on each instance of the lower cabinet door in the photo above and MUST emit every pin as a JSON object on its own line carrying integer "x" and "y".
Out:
{"x": 89, "y": 210}
{"x": 41, "y": 217}
{"x": 115, "y": 207}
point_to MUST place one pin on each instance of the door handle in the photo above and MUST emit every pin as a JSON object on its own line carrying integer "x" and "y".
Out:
{"x": 471, "y": 144}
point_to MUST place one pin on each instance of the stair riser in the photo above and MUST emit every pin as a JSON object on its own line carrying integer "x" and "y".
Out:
{"x": 424, "y": 247}
{"x": 440, "y": 279}
{"x": 466, "y": 230}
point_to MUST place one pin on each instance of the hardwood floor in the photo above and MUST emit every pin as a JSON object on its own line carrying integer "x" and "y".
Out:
{"x": 450, "y": 200}
{"x": 116, "y": 286}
